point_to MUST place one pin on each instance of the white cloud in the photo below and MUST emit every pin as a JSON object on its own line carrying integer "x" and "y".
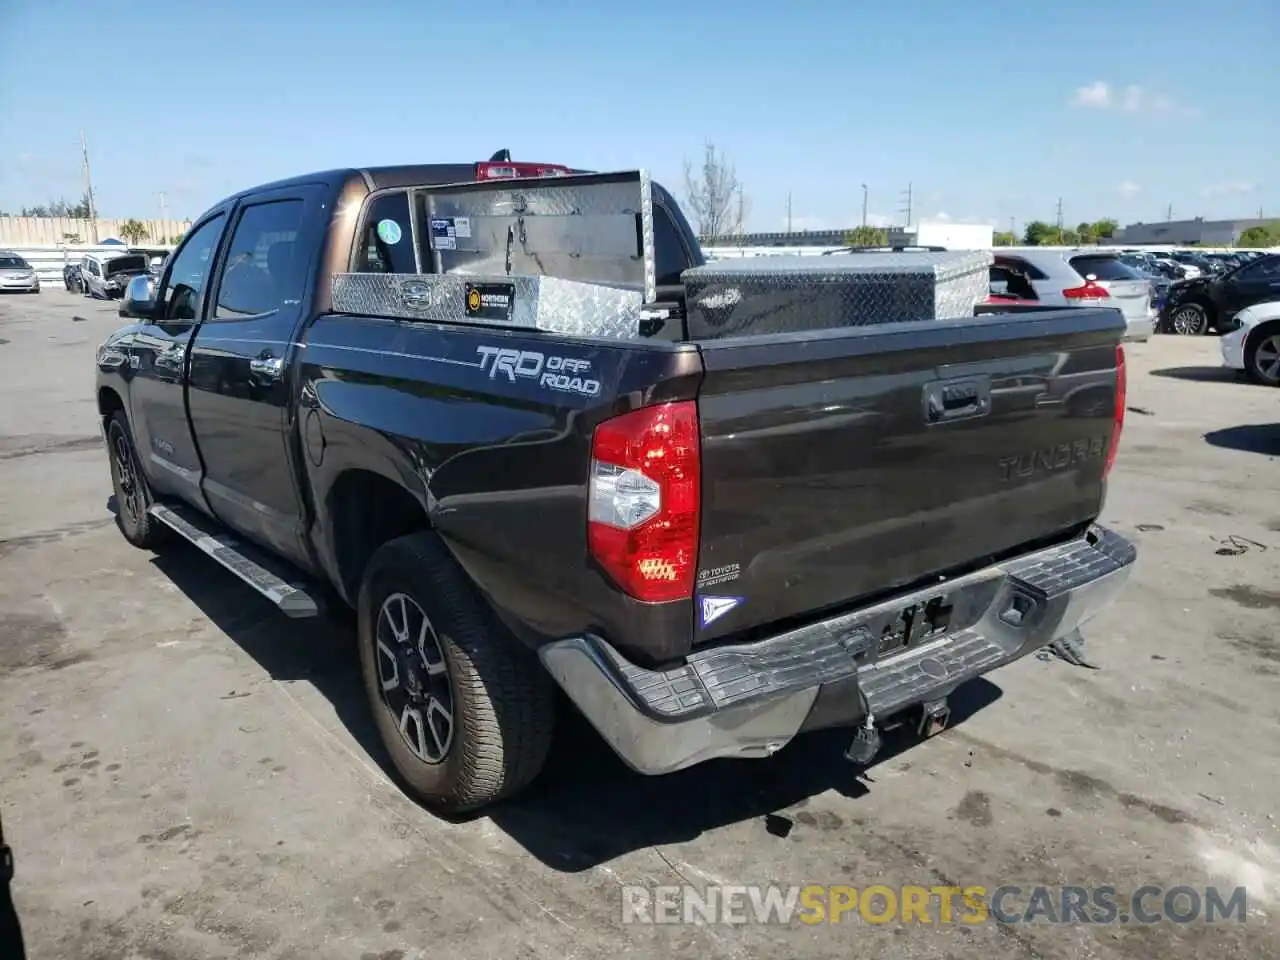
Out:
{"x": 1128, "y": 188}
{"x": 942, "y": 215}
{"x": 1100, "y": 95}
{"x": 1096, "y": 94}
{"x": 1229, "y": 188}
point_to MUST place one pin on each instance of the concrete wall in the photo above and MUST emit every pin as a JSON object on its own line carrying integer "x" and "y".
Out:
{"x": 20, "y": 231}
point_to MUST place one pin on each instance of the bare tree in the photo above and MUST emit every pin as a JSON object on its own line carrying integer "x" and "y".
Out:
{"x": 715, "y": 196}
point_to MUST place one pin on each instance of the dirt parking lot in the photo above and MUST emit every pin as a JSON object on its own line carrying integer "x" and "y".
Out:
{"x": 184, "y": 774}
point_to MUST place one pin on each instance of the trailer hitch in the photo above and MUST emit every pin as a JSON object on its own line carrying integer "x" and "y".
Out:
{"x": 934, "y": 717}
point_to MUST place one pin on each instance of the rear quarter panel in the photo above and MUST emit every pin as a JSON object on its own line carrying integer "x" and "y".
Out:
{"x": 499, "y": 462}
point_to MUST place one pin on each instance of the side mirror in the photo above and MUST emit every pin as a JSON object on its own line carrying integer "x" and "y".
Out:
{"x": 139, "y": 300}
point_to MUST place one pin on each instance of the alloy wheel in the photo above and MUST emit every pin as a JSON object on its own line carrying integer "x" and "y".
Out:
{"x": 1266, "y": 359}
{"x": 131, "y": 501}
{"x": 414, "y": 677}
{"x": 1188, "y": 320}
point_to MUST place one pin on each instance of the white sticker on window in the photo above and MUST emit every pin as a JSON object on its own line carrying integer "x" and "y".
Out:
{"x": 462, "y": 227}
{"x": 389, "y": 232}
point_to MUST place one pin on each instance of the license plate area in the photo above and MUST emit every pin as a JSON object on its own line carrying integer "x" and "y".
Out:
{"x": 898, "y": 629}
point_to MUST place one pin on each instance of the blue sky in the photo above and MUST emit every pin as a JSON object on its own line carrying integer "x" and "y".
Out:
{"x": 991, "y": 110}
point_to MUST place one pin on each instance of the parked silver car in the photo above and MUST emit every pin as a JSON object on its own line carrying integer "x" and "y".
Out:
{"x": 17, "y": 274}
{"x": 1081, "y": 277}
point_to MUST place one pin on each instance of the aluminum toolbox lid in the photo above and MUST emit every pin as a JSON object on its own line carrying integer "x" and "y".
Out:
{"x": 842, "y": 267}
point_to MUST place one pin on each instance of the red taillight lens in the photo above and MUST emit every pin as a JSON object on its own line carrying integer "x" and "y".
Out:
{"x": 506, "y": 171}
{"x": 1090, "y": 291}
{"x": 644, "y": 496}
{"x": 1122, "y": 389}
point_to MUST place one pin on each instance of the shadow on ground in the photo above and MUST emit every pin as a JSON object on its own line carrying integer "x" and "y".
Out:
{"x": 1199, "y": 374}
{"x": 587, "y": 807}
{"x": 1261, "y": 438}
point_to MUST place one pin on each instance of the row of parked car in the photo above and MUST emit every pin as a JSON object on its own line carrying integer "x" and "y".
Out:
{"x": 104, "y": 276}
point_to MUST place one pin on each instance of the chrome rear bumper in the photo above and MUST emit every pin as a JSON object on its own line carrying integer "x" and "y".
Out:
{"x": 749, "y": 700}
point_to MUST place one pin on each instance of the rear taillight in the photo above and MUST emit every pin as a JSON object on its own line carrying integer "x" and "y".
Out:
{"x": 508, "y": 170}
{"x": 643, "y": 500}
{"x": 1090, "y": 291}
{"x": 1122, "y": 388}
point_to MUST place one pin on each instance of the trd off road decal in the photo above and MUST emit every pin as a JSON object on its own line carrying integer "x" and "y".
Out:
{"x": 563, "y": 374}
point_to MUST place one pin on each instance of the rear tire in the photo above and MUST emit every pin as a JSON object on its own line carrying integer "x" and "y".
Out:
{"x": 133, "y": 493}
{"x": 465, "y": 712}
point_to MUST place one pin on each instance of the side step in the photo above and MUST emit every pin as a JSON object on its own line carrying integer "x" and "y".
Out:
{"x": 245, "y": 561}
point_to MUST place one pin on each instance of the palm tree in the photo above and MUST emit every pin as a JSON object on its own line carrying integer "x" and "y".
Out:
{"x": 133, "y": 230}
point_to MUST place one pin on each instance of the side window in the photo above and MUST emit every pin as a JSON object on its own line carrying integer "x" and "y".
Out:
{"x": 189, "y": 272}
{"x": 386, "y": 246}
{"x": 264, "y": 267}
{"x": 670, "y": 257}
{"x": 1263, "y": 270}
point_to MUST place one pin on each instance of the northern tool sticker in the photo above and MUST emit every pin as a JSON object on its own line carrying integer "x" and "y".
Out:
{"x": 462, "y": 227}
{"x": 444, "y": 233}
{"x": 489, "y": 301}
{"x": 713, "y": 608}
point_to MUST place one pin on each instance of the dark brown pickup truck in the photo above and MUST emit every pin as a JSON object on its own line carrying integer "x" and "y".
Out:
{"x": 536, "y": 442}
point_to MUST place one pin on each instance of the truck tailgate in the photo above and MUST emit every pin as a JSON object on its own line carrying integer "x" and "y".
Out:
{"x": 842, "y": 465}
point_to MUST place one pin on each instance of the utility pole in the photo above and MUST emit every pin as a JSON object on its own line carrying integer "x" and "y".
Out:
{"x": 907, "y": 204}
{"x": 1169, "y": 214}
{"x": 88, "y": 181}
{"x": 1059, "y": 220}
{"x": 742, "y": 212}
{"x": 864, "y": 204}
{"x": 1012, "y": 232}
{"x": 788, "y": 211}
{"x": 164, "y": 216}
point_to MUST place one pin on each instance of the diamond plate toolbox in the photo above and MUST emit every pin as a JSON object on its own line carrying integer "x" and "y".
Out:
{"x": 762, "y": 295}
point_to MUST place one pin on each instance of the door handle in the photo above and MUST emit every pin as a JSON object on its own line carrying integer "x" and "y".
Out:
{"x": 268, "y": 368}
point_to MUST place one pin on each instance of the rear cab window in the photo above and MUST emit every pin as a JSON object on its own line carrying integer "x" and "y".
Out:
{"x": 385, "y": 244}
{"x": 1103, "y": 267}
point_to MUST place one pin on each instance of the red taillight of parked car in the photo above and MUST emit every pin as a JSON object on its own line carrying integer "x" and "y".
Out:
{"x": 1122, "y": 388}
{"x": 643, "y": 500}
{"x": 1089, "y": 291}
{"x": 507, "y": 170}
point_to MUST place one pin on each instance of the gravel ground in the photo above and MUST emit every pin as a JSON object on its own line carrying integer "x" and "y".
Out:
{"x": 188, "y": 775}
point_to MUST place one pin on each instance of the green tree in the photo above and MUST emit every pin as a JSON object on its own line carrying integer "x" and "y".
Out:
{"x": 1004, "y": 238}
{"x": 866, "y": 237}
{"x": 1106, "y": 228}
{"x": 60, "y": 208}
{"x": 1088, "y": 233}
{"x": 1262, "y": 235}
{"x": 1067, "y": 238}
{"x": 133, "y": 230}
{"x": 1038, "y": 232}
